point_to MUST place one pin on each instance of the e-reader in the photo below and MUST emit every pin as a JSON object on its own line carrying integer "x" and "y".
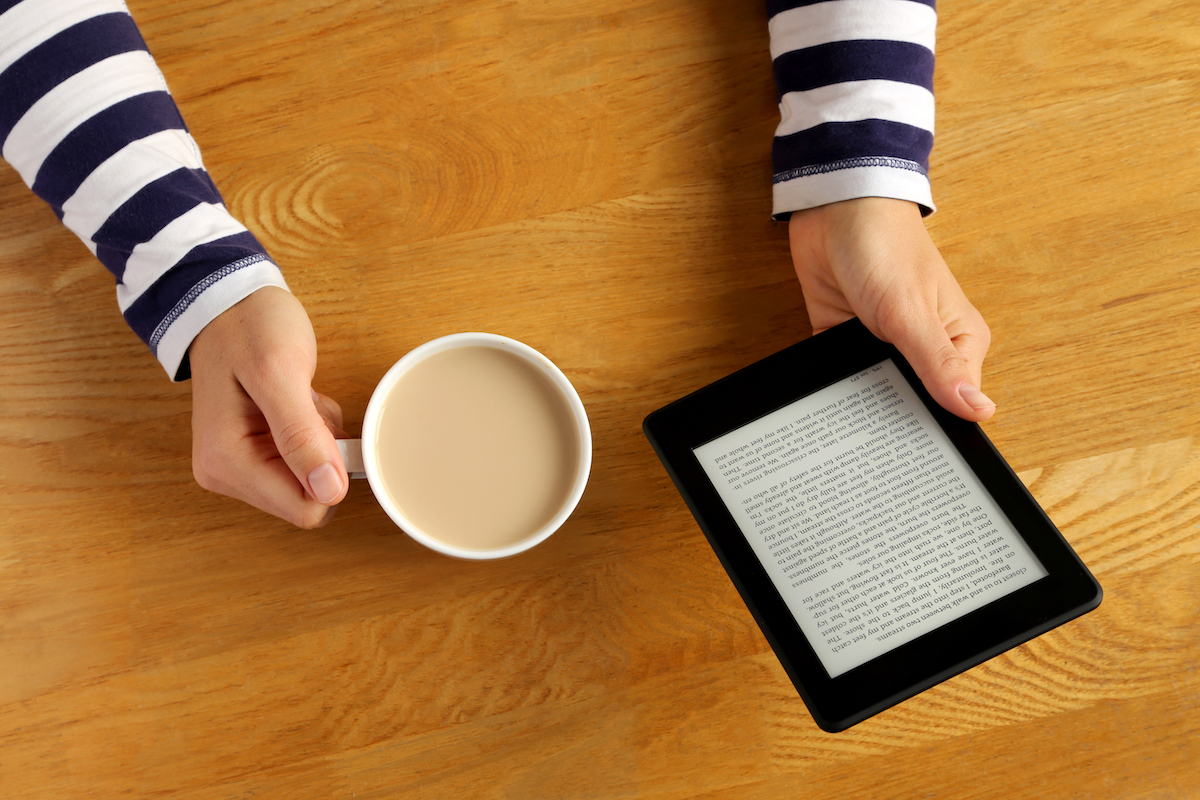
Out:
{"x": 882, "y": 543}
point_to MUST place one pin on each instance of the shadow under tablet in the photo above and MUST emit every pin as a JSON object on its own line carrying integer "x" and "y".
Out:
{"x": 881, "y": 543}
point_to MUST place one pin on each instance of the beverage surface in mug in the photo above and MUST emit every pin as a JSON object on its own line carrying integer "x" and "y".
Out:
{"x": 477, "y": 447}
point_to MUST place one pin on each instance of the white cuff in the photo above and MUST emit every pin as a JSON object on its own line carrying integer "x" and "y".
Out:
{"x": 206, "y": 301}
{"x": 834, "y": 185}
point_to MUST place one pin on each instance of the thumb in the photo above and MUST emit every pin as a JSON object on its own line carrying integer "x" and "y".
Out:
{"x": 950, "y": 368}
{"x": 305, "y": 442}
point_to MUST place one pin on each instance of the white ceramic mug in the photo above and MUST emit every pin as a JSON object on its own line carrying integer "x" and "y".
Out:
{"x": 362, "y": 460}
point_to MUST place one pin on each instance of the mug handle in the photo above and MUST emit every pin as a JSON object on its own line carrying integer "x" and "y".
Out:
{"x": 352, "y": 457}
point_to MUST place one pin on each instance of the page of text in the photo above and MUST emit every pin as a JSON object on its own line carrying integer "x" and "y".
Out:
{"x": 865, "y": 517}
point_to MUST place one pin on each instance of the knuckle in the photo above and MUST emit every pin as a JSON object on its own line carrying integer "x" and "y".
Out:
{"x": 985, "y": 334}
{"x": 207, "y": 470}
{"x": 329, "y": 404}
{"x": 336, "y": 415}
{"x": 944, "y": 362}
{"x": 204, "y": 480}
{"x": 948, "y": 359}
{"x": 311, "y": 517}
{"x": 295, "y": 439}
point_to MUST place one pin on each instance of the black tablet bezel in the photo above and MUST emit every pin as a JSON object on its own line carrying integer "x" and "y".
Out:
{"x": 1068, "y": 590}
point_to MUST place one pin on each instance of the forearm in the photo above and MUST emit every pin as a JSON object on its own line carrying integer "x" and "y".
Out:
{"x": 855, "y": 86}
{"x": 87, "y": 121}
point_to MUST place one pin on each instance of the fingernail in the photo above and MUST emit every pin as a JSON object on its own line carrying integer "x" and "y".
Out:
{"x": 326, "y": 483}
{"x": 975, "y": 398}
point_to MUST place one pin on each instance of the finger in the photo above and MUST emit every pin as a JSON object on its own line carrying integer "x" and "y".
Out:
{"x": 331, "y": 412}
{"x": 272, "y": 487}
{"x": 949, "y": 367}
{"x": 303, "y": 437}
{"x": 328, "y": 408}
{"x": 254, "y": 473}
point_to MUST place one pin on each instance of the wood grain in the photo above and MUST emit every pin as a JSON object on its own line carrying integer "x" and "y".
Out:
{"x": 594, "y": 179}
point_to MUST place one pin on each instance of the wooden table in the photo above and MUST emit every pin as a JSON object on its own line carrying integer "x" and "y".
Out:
{"x": 594, "y": 179}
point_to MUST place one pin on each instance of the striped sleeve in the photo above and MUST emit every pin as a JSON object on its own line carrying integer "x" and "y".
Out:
{"x": 87, "y": 121}
{"x": 854, "y": 80}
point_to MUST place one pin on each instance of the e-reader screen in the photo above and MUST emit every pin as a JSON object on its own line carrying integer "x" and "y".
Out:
{"x": 865, "y": 517}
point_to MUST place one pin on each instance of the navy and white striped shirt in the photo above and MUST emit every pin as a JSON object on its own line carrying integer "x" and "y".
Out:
{"x": 855, "y": 86}
{"x": 87, "y": 121}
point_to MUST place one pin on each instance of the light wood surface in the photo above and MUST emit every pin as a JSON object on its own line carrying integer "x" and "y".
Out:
{"x": 594, "y": 179}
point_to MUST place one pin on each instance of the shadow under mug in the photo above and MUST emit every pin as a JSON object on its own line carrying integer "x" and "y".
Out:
{"x": 361, "y": 459}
